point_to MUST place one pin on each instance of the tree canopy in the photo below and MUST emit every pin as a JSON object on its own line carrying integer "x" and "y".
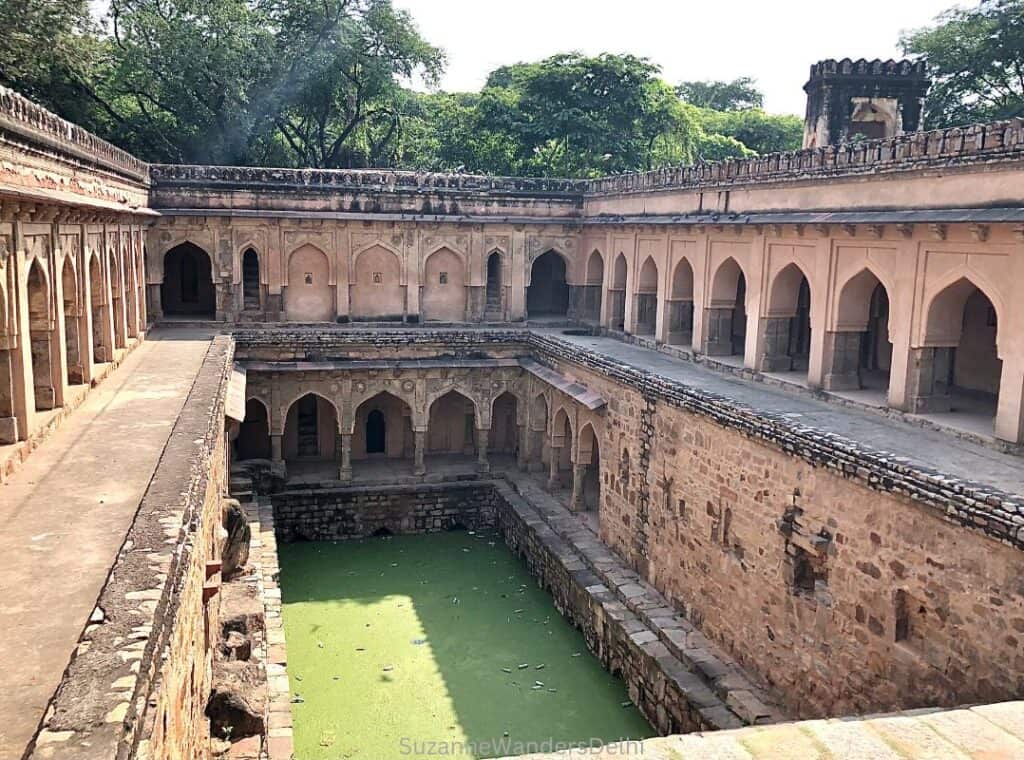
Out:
{"x": 327, "y": 84}
{"x": 976, "y": 60}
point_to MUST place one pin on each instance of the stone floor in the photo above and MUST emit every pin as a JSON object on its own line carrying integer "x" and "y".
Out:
{"x": 65, "y": 513}
{"x": 930, "y": 448}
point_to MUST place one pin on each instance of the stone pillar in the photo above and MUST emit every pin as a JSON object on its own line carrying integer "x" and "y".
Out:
{"x": 775, "y": 345}
{"x": 345, "y": 472}
{"x": 579, "y": 472}
{"x": 419, "y": 449}
{"x": 553, "y": 457}
{"x": 277, "y": 447}
{"x": 717, "y": 332}
{"x": 930, "y": 371}
{"x": 842, "y": 361}
{"x": 523, "y": 458}
{"x": 482, "y": 434}
{"x": 1010, "y": 409}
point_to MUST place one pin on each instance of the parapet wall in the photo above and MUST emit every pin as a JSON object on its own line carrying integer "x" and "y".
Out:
{"x": 138, "y": 681}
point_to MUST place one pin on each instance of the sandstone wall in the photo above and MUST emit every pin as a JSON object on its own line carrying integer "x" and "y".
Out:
{"x": 843, "y": 595}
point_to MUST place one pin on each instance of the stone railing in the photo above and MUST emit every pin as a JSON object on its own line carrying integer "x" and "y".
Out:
{"x": 383, "y": 180}
{"x": 31, "y": 121}
{"x": 978, "y": 143}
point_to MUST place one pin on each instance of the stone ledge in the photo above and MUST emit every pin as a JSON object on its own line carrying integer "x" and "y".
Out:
{"x": 100, "y": 708}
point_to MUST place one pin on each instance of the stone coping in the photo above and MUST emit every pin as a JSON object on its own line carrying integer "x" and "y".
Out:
{"x": 99, "y": 710}
{"x": 31, "y": 121}
{"x": 995, "y": 732}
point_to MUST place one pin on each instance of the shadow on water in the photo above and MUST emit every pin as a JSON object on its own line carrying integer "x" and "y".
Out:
{"x": 397, "y": 643}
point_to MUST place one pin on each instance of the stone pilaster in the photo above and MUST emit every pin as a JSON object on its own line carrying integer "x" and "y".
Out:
{"x": 420, "y": 445}
{"x": 482, "y": 436}
{"x": 345, "y": 471}
{"x": 929, "y": 379}
{"x": 842, "y": 361}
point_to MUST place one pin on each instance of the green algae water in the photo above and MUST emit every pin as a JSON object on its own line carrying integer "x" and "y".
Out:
{"x": 415, "y": 646}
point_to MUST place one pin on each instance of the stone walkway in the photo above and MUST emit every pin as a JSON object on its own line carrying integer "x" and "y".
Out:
{"x": 65, "y": 513}
{"x": 986, "y": 732}
{"x": 932, "y": 449}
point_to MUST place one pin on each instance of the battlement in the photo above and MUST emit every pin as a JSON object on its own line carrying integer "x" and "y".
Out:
{"x": 902, "y": 69}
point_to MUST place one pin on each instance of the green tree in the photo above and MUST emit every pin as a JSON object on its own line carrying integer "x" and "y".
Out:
{"x": 976, "y": 60}
{"x": 334, "y": 96}
{"x": 760, "y": 132}
{"x": 737, "y": 95}
{"x": 48, "y": 52}
{"x": 572, "y": 115}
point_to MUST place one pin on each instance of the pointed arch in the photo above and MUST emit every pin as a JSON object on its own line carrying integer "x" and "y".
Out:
{"x": 310, "y": 428}
{"x": 377, "y": 292}
{"x": 589, "y": 456}
{"x": 451, "y": 427}
{"x": 680, "y": 306}
{"x": 253, "y": 441}
{"x": 444, "y": 287}
{"x": 187, "y": 288}
{"x": 858, "y": 352}
{"x": 725, "y": 314}
{"x": 309, "y": 295}
{"x": 504, "y": 434}
{"x": 251, "y": 280}
{"x": 590, "y": 309}
{"x": 617, "y": 293}
{"x": 494, "y": 308}
{"x": 72, "y": 315}
{"x": 548, "y": 291}
{"x": 383, "y": 426}
{"x": 647, "y": 297}
{"x": 40, "y": 334}
{"x": 786, "y": 339}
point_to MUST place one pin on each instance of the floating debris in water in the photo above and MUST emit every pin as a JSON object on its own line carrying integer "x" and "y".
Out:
{"x": 504, "y": 733}
{"x": 327, "y": 738}
{"x": 553, "y": 691}
{"x": 360, "y": 649}
{"x": 418, "y": 642}
{"x": 465, "y": 548}
{"x": 394, "y": 564}
{"x": 455, "y": 600}
{"x": 337, "y": 678}
{"x": 540, "y": 667}
{"x": 576, "y": 654}
{"x": 506, "y": 670}
{"x": 298, "y": 678}
{"x": 320, "y": 644}
{"x": 538, "y": 683}
{"x": 524, "y": 665}
{"x": 388, "y": 668}
{"x": 536, "y": 688}
{"x": 297, "y": 700}
{"x": 626, "y": 704}
{"x": 517, "y": 612}
{"x": 471, "y": 532}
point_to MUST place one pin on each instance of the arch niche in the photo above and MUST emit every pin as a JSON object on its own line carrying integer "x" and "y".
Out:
{"x": 383, "y": 429}
{"x": 117, "y": 300}
{"x": 647, "y": 298}
{"x": 786, "y": 341}
{"x": 253, "y": 441}
{"x": 40, "y": 335}
{"x": 504, "y": 435}
{"x": 561, "y": 445}
{"x": 251, "y": 280}
{"x": 100, "y": 313}
{"x": 72, "y": 314}
{"x": 590, "y": 309}
{"x": 8, "y": 422}
{"x": 590, "y": 458}
{"x": 378, "y": 293}
{"x": 680, "y": 305}
{"x": 187, "y": 288}
{"x": 959, "y": 368}
{"x": 494, "y": 308}
{"x": 452, "y": 425}
{"x": 726, "y": 314}
{"x": 617, "y": 294}
{"x": 309, "y": 295}
{"x": 444, "y": 287}
{"x": 548, "y": 292}
{"x": 858, "y": 353}
{"x": 310, "y": 430}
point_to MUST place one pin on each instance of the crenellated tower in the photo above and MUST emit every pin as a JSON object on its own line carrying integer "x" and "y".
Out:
{"x": 873, "y": 99}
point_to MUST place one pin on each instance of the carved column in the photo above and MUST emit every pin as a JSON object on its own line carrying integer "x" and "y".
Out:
{"x": 523, "y": 458}
{"x": 345, "y": 473}
{"x": 420, "y": 446}
{"x": 482, "y": 434}
{"x": 276, "y": 447}
{"x": 579, "y": 472}
{"x": 553, "y": 456}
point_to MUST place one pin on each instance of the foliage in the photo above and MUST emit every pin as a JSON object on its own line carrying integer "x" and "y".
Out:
{"x": 976, "y": 60}
{"x": 760, "y": 132}
{"x": 325, "y": 83}
{"x": 737, "y": 95}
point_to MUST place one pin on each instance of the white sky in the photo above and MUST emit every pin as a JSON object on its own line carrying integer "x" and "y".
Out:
{"x": 774, "y": 41}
